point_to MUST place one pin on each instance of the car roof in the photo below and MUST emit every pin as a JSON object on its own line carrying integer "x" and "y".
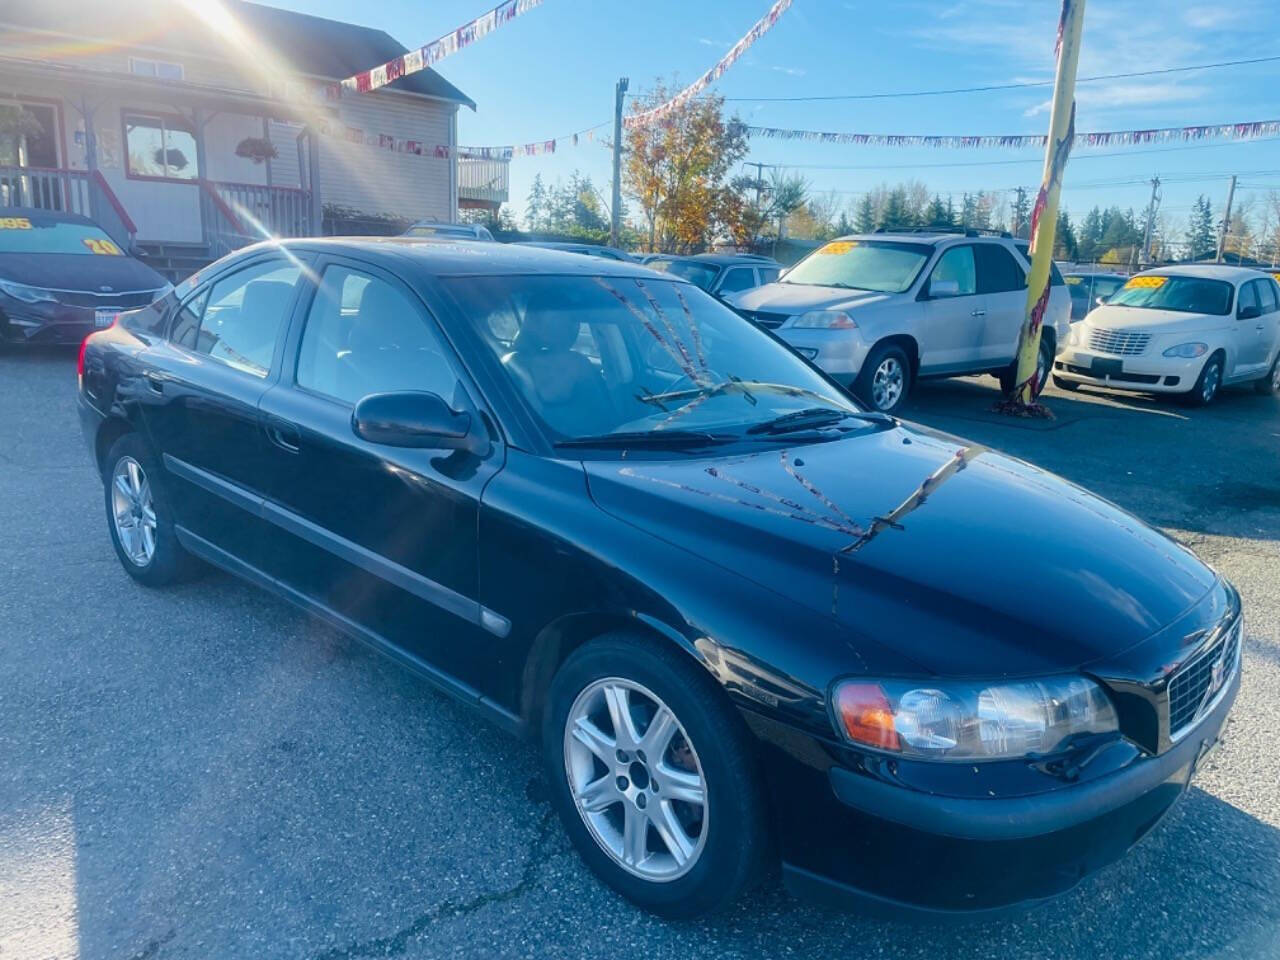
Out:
{"x": 732, "y": 258}
{"x": 929, "y": 237}
{"x": 1211, "y": 271}
{"x": 1095, "y": 273}
{"x": 38, "y": 215}
{"x": 443, "y": 257}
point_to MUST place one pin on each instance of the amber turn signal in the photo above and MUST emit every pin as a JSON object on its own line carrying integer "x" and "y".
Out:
{"x": 866, "y": 716}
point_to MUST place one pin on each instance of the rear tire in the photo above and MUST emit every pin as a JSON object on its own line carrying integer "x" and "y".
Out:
{"x": 1008, "y": 376}
{"x": 1207, "y": 384}
{"x": 605, "y": 788}
{"x": 1271, "y": 382}
{"x": 885, "y": 381}
{"x": 140, "y": 516}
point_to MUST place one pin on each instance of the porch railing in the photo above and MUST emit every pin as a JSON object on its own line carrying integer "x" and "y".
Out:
{"x": 69, "y": 191}
{"x": 277, "y": 211}
{"x": 484, "y": 181}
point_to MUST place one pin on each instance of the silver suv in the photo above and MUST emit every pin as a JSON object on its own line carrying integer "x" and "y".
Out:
{"x": 877, "y": 311}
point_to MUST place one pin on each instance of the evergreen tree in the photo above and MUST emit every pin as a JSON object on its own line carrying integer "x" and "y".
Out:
{"x": 1065, "y": 235}
{"x": 968, "y": 211}
{"x": 535, "y": 207}
{"x": 864, "y": 220}
{"x": 1089, "y": 240}
{"x": 897, "y": 214}
{"x": 938, "y": 214}
{"x": 1022, "y": 213}
{"x": 1200, "y": 239}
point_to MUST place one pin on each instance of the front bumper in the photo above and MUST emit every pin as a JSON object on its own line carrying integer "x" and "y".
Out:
{"x": 854, "y": 839}
{"x": 1144, "y": 373}
{"x": 48, "y": 323}
{"x": 837, "y": 353}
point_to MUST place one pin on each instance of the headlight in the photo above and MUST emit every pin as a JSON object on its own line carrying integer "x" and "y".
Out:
{"x": 826, "y": 319}
{"x": 1187, "y": 350}
{"x": 1075, "y": 336}
{"x": 971, "y": 721}
{"x": 20, "y": 291}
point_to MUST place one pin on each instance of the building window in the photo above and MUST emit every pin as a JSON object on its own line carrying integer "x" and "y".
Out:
{"x": 163, "y": 69}
{"x": 163, "y": 147}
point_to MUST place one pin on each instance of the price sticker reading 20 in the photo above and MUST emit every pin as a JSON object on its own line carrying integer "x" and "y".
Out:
{"x": 1147, "y": 283}
{"x": 101, "y": 246}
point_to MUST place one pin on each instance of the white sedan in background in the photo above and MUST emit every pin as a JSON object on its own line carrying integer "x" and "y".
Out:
{"x": 1185, "y": 330}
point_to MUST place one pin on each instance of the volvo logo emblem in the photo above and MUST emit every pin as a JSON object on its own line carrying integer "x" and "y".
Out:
{"x": 106, "y": 289}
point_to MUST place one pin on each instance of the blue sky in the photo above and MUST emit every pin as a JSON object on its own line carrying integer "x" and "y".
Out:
{"x": 552, "y": 72}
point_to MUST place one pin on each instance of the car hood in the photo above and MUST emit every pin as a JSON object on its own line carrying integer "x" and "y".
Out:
{"x": 799, "y": 297}
{"x": 1145, "y": 320}
{"x": 960, "y": 559}
{"x": 87, "y": 272}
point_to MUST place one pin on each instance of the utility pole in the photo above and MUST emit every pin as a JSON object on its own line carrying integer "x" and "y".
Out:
{"x": 615, "y": 209}
{"x": 1226, "y": 220}
{"x": 1020, "y": 201}
{"x": 759, "y": 179}
{"x": 1151, "y": 220}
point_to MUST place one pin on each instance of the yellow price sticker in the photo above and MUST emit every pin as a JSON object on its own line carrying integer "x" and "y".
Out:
{"x": 15, "y": 223}
{"x": 1073, "y": 281}
{"x": 838, "y": 247}
{"x": 101, "y": 246}
{"x": 1276, "y": 276}
{"x": 1145, "y": 283}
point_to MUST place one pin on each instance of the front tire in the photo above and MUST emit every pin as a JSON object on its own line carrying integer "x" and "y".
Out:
{"x": 1207, "y": 384}
{"x": 885, "y": 379}
{"x": 140, "y": 516}
{"x": 653, "y": 777}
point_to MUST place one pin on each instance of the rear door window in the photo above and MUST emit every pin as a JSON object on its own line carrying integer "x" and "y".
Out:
{"x": 737, "y": 279}
{"x": 1267, "y": 296}
{"x": 998, "y": 272}
{"x": 1248, "y": 298}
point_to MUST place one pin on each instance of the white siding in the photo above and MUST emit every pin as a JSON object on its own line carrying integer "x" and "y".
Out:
{"x": 377, "y": 181}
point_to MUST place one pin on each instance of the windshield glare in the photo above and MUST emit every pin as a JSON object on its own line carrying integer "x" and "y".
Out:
{"x": 699, "y": 273}
{"x": 602, "y": 355}
{"x": 879, "y": 265}
{"x": 28, "y": 235}
{"x": 1184, "y": 294}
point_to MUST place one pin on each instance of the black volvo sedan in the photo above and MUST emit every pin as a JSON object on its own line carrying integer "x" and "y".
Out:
{"x": 62, "y": 277}
{"x": 748, "y": 620}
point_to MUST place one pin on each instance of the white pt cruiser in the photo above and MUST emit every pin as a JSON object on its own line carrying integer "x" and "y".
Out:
{"x": 879, "y": 311}
{"x": 1184, "y": 330}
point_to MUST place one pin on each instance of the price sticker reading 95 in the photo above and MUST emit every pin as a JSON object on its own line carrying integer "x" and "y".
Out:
{"x": 15, "y": 223}
{"x": 1146, "y": 283}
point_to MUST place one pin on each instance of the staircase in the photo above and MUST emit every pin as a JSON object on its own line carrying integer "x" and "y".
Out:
{"x": 175, "y": 261}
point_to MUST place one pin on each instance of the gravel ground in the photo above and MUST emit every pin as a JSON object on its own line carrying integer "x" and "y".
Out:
{"x": 204, "y": 772}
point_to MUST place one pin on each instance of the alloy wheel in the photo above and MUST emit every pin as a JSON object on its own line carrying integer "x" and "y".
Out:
{"x": 133, "y": 511}
{"x": 887, "y": 383}
{"x": 1275, "y": 377}
{"x": 635, "y": 779}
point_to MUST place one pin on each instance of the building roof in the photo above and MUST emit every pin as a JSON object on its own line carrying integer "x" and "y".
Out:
{"x": 309, "y": 45}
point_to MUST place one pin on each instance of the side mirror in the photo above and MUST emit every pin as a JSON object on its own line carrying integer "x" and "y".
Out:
{"x": 1099, "y": 301}
{"x": 1249, "y": 313}
{"x": 415, "y": 419}
{"x": 944, "y": 288}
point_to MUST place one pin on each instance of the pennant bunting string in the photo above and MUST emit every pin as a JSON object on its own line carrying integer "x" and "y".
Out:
{"x": 435, "y": 51}
{"x": 761, "y": 27}
{"x": 1222, "y": 131}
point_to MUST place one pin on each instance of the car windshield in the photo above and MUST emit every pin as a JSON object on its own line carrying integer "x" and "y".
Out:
{"x": 882, "y": 265}
{"x": 30, "y": 235}
{"x": 1184, "y": 294}
{"x": 598, "y": 356}
{"x": 701, "y": 274}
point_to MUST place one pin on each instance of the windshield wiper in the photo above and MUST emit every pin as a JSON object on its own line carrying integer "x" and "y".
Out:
{"x": 648, "y": 438}
{"x": 814, "y": 418}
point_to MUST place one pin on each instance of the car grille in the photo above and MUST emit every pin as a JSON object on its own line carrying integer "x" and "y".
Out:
{"x": 1120, "y": 343}
{"x": 118, "y": 301}
{"x": 1195, "y": 684}
{"x": 770, "y": 320}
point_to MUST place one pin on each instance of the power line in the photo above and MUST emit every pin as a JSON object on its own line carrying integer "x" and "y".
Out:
{"x": 998, "y": 86}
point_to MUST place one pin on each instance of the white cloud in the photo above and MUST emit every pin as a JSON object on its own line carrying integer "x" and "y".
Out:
{"x": 1211, "y": 18}
{"x": 1127, "y": 95}
{"x": 789, "y": 71}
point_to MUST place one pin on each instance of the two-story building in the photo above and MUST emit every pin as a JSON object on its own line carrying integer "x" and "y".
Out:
{"x": 193, "y": 128}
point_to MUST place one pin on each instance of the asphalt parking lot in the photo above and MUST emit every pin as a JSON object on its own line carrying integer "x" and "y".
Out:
{"x": 205, "y": 772}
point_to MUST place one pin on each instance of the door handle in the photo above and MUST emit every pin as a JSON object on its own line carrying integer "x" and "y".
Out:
{"x": 978, "y": 313}
{"x": 283, "y": 434}
{"x": 155, "y": 383}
